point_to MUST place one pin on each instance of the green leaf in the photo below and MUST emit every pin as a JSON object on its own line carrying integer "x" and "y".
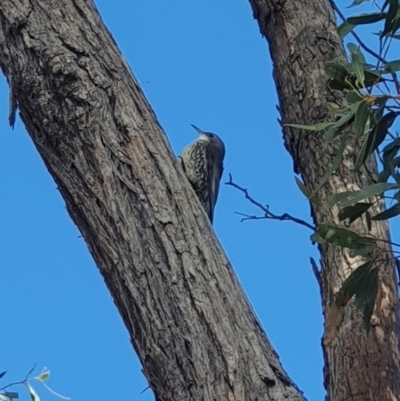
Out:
{"x": 390, "y": 18}
{"x": 368, "y": 219}
{"x": 344, "y": 29}
{"x": 330, "y": 134}
{"x": 394, "y": 36}
{"x": 317, "y": 238}
{"x": 366, "y": 297}
{"x": 334, "y": 131}
{"x": 348, "y": 198}
{"x": 337, "y": 75}
{"x": 316, "y": 127}
{"x": 395, "y": 144}
{"x": 363, "y": 283}
{"x": 9, "y": 395}
{"x": 379, "y": 108}
{"x": 388, "y": 160}
{"x": 352, "y": 283}
{"x": 392, "y": 166}
{"x": 335, "y": 164}
{"x": 388, "y": 213}
{"x": 363, "y": 19}
{"x": 361, "y": 118}
{"x": 44, "y": 375}
{"x": 371, "y": 78}
{"x": 353, "y": 97}
{"x": 345, "y": 117}
{"x": 343, "y": 237}
{"x": 303, "y": 188}
{"x": 392, "y": 66}
{"x": 357, "y": 63}
{"x": 356, "y": 3}
{"x": 375, "y": 137}
{"x": 354, "y": 212}
{"x": 396, "y": 26}
{"x": 32, "y": 392}
{"x": 396, "y": 177}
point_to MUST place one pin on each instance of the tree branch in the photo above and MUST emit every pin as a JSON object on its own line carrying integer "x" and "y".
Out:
{"x": 267, "y": 213}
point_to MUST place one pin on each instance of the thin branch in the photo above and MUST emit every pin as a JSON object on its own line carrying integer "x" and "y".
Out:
{"x": 267, "y": 213}
{"x": 388, "y": 242}
{"x": 19, "y": 382}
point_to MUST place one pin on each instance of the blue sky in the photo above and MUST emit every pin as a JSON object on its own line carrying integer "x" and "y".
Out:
{"x": 202, "y": 63}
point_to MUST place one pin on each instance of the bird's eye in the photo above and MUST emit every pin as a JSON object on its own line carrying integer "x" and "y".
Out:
{"x": 211, "y": 135}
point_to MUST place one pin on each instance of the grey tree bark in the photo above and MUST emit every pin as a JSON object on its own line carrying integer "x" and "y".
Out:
{"x": 189, "y": 320}
{"x": 302, "y": 37}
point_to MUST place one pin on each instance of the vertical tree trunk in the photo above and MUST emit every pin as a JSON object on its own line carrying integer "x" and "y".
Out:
{"x": 190, "y": 323}
{"x": 302, "y": 38}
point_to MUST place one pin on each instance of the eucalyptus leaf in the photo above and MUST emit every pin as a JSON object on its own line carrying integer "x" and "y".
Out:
{"x": 346, "y": 117}
{"x": 394, "y": 144}
{"x": 390, "y": 17}
{"x": 348, "y": 198}
{"x": 388, "y": 213}
{"x": 343, "y": 237}
{"x": 315, "y": 127}
{"x": 353, "y": 97}
{"x": 396, "y": 177}
{"x": 366, "y": 296}
{"x": 375, "y": 137}
{"x": 330, "y": 134}
{"x": 344, "y": 29}
{"x": 352, "y": 283}
{"x": 317, "y": 238}
{"x": 354, "y": 212}
{"x": 361, "y": 118}
{"x": 363, "y": 19}
{"x": 338, "y": 76}
{"x": 356, "y": 3}
{"x": 10, "y": 395}
{"x": 363, "y": 283}
{"x": 303, "y": 188}
{"x": 357, "y": 63}
{"x": 368, "y": 219}
{"x": 392, "y": 66}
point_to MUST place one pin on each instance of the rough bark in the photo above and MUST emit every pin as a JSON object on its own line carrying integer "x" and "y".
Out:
{"x": 302, "y": 38}
{"x": 189, "y": 321}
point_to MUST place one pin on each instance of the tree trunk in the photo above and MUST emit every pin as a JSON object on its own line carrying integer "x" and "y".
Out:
{"x": 190, "y": 323}
{"x": 302, "y": 38}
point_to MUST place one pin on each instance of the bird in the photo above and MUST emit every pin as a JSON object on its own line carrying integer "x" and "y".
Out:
{"x": 202, "y": 162}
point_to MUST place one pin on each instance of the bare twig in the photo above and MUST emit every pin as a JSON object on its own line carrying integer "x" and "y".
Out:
{"x": 21, "y": 381}
{"x": 267, "y": 213}
{"x": 388, "y": 242}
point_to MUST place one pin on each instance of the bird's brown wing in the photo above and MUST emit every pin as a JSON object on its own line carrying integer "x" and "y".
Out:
{"x": 194, "y": 163}
{"x": 215, "y": 169}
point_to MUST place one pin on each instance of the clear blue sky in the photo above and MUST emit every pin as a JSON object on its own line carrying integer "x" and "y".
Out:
{"x": 198, "y": 62}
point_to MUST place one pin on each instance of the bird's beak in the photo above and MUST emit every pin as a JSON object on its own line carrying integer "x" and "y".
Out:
{"x": 200, "y": 132}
